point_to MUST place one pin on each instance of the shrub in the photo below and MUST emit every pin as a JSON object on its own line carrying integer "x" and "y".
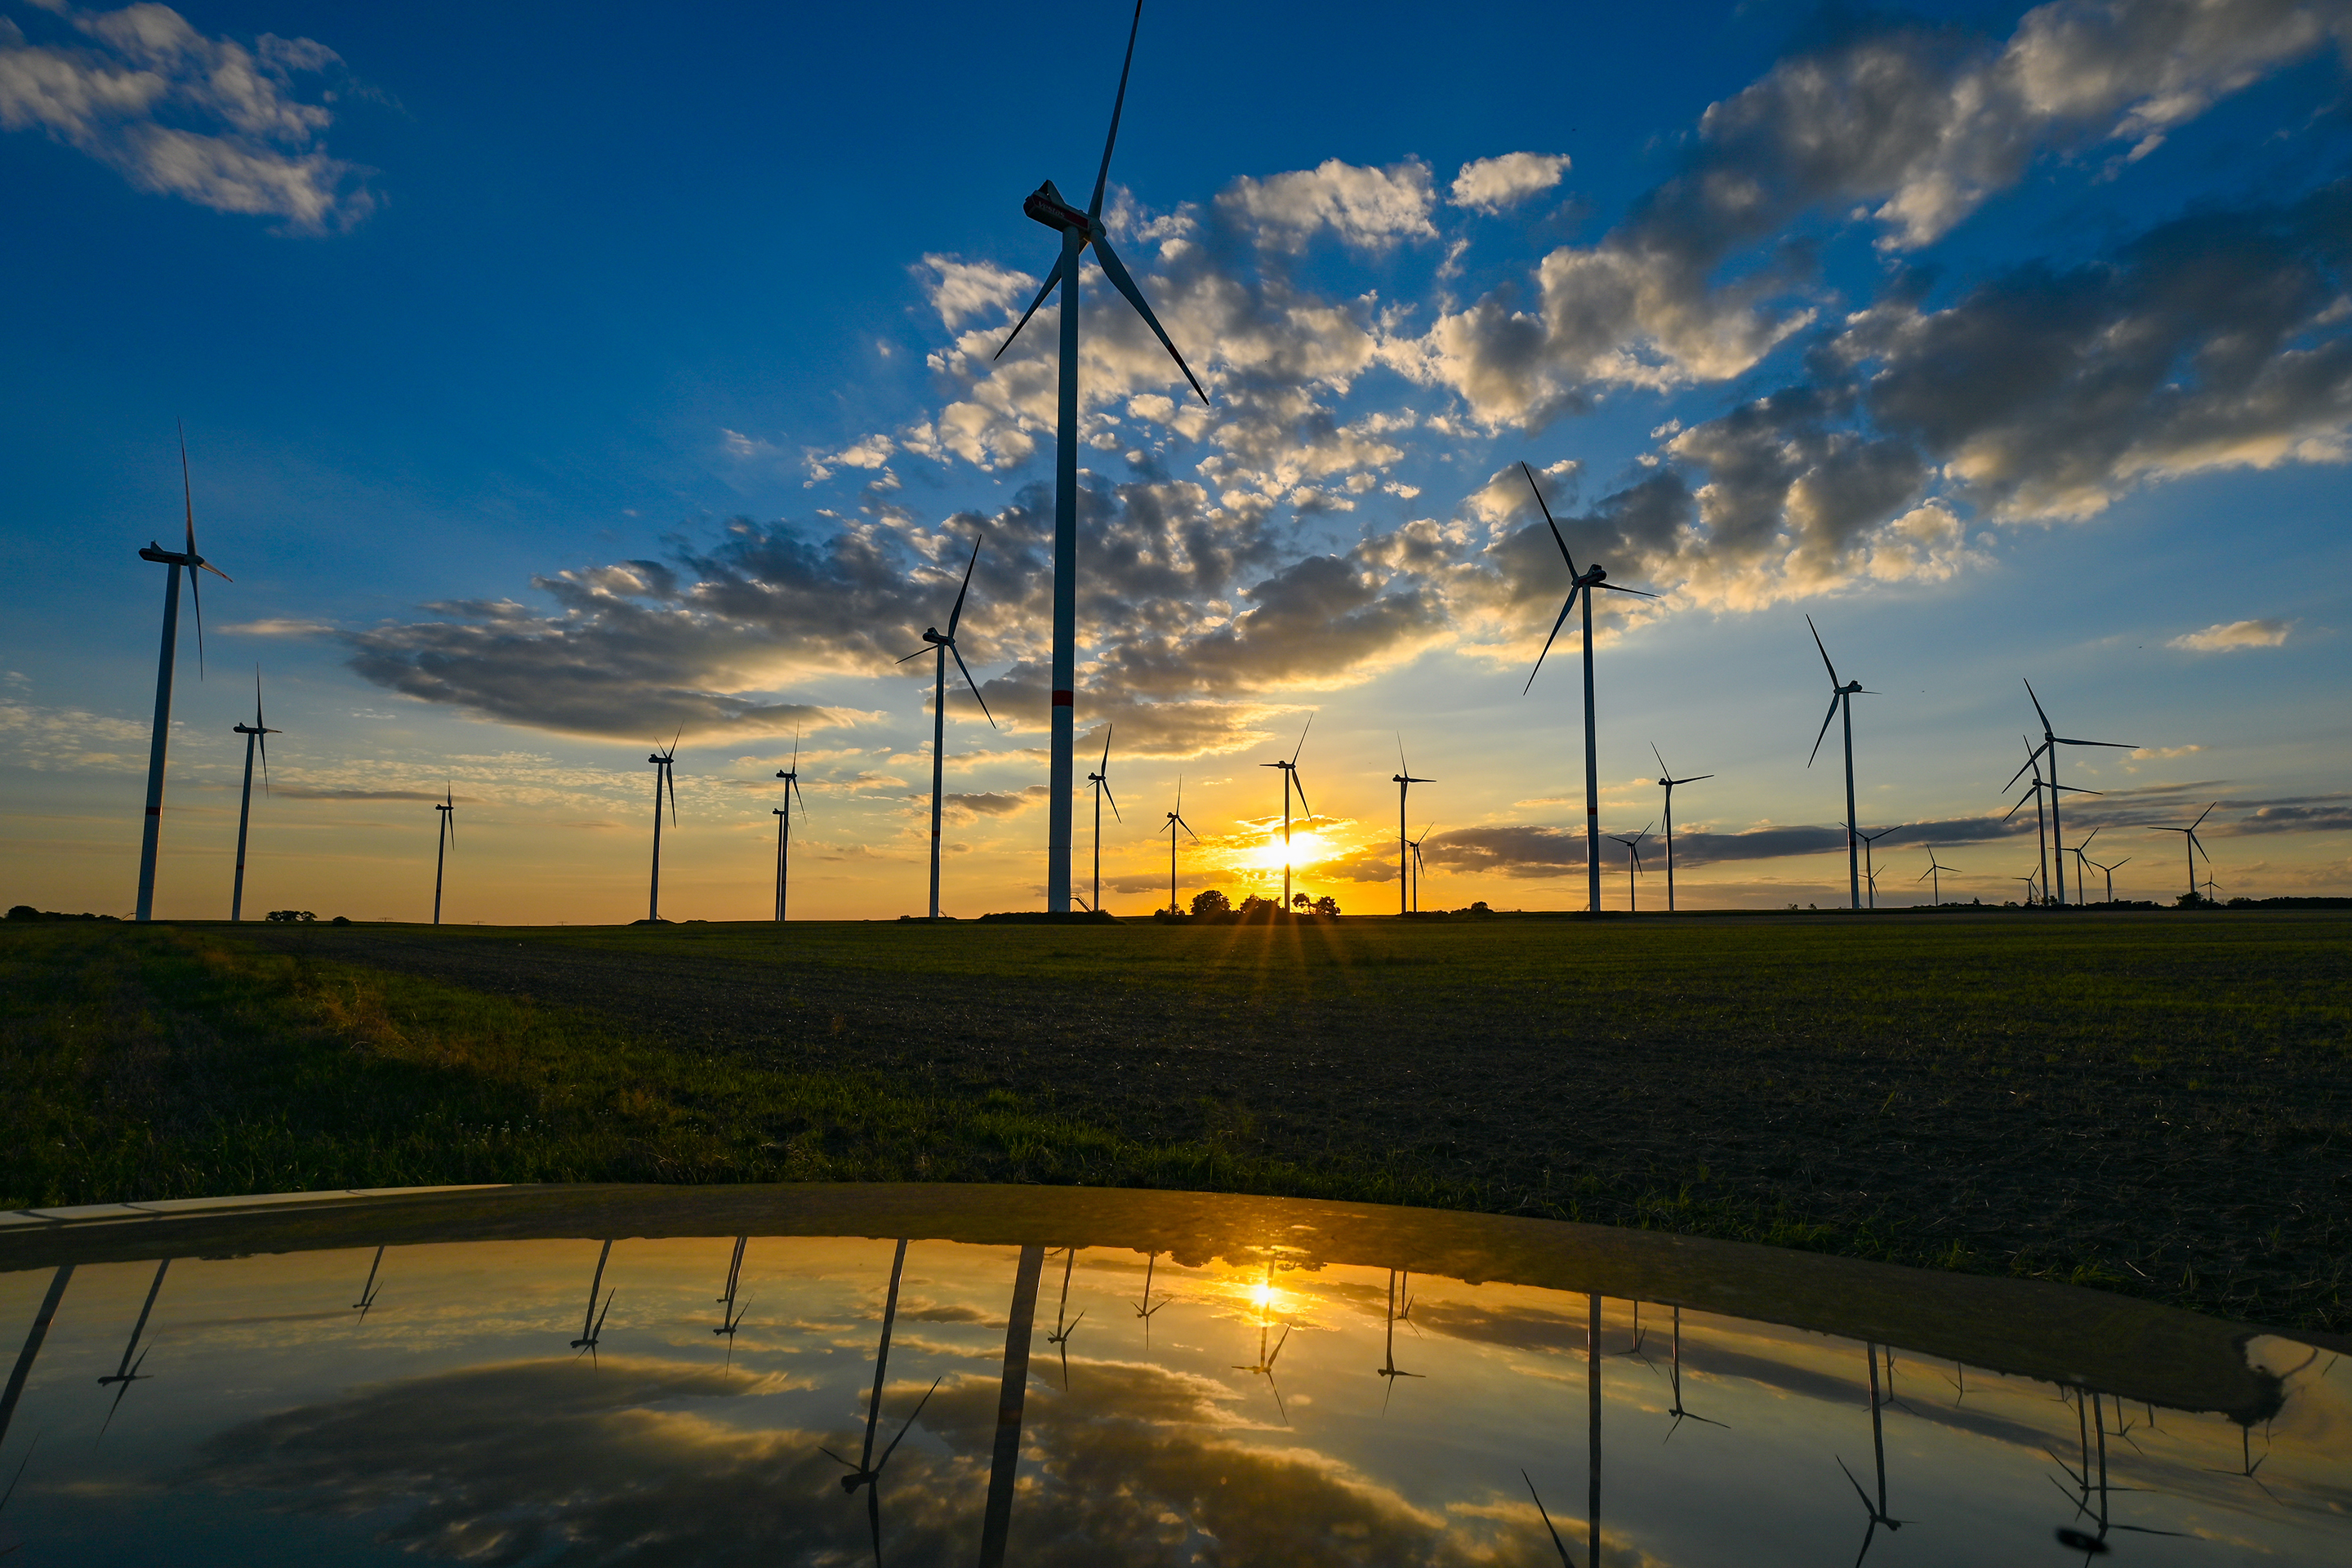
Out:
{"x": 1328, "y": 907}
{"x": 291, "y": 916}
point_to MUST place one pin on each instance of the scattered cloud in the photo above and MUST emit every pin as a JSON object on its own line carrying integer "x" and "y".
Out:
{"x": 1370, "y": 209}
{"x": 2228, "y": 637}
{"x": 280, "y": 626}
{"x": 1490, "y": 184}
{"x": 179, "y": 113}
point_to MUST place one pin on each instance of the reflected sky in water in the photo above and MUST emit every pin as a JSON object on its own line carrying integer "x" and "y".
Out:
{"x": 708, "y": 1400}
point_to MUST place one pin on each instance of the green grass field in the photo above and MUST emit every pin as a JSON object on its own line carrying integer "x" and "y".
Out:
{"x": 2159, "y": 1103}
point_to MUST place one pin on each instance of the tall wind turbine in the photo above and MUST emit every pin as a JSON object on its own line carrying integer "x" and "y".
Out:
{"x": 447, "y": 832}
{"x": 1415, "y": 845}
{"x": 1667, "y": 781}
{"x": 664, "y": 779}
{"x": 151, "y": 835}
{"x": 1841, "y": 696}
{"x": 2050, "y": 744}
{"x": 2193, "y": 846}
{"x": 2038, "y": 788}
{"x": 1869, "y": 857}
{"x": 257, "y": 731}
{"x": 1289, "y": 783}
{"x": 1099, "y": 782}
{"x": 1175, "y": 821}
{"x": 1633, "y": 867}
{"x": 1402, "y": 778}
{"x": 791, "y": 777}
{"x": 942, "y": 644}
{"x": 1581, "y": 582}
{"x": 1079, "y": 230}
{"x": 1936, "y": 869}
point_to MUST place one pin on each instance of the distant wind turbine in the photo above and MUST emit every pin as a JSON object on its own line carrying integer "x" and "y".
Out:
{"x": 1388, "y": 1370}
{"x": 447, "y": 833}
{"x": 1146, "y": 1308}
{"x": 1418, "y": 867}
{"x": 128, "y": 1372}
{"x": 1099, "y": 781}
{"x": 1580, "y": 583}
{"x": 868, "y": 1471}
{"x": 1667, "y": 781}
{"x": 1404, "y": 781}
{"x": 151, "y": 834}
{"x": 1289, "y": 783}
{"x": 1175, "y": 821}
{"x": 1936, "y": 869}
{"x": 663, "y": 778}
{"x": 591, "y": 1325}
{"x": 2193, "y": 847}
{"x": 1079, "y": 230}
{"x": 1065, "y": 1327}
{"x": 2050, "y": 745}
{"x": 1869, "y": 858}
{"x": 1265, "y": 1365}
{"x": 1675, "y": 1381}
{"x": 2110, "y": 870}
{"x": 942, "y": 644}
{"x": 1877, "y": 1510}
{"x": 783, "y": 814}
{"x": 369, "y": 1290}
{"x": 1632, "y": 868}
{"x": 259, "y": 730}
{"x": 1841, "y": 696}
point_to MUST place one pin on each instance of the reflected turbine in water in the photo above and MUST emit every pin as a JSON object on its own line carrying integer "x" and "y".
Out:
{"x": 1557, "y": 1545}
{"x": 1264, "y": 1367}
{"x": 1675, "y": 1383}
{"x": 1388, "y": 1368}
{"x": 1877, "y": 1512}
{"x": 868, "y": 1471}
{"x": 1004, "y": 1463}
{"x": 1592, "y": 1398}
{"x": 2088, "y": 1420}
{"x": 1060, "y": 1337}
{"x": 1638, "y": 1350}
{"x": 731, "y": 1320}
{"x": 127, "y": 1372}
{"x": 1146, "y": 1308}
{"x": 42, "y": 1316}
{"x": 591, "y": 1324}
{"x": 369, "y": 1290}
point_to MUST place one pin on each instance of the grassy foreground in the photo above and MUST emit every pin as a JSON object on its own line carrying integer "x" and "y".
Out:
{"x": 2160, "y": 1104}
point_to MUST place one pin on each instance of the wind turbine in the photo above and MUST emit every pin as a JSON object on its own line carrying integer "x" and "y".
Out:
{"x": 591, "y": 1325}
{"x": 1264, "y": 1366}
{"x": 1667, "y": 781}
{"x": 1877, "y": 1512}
{"x": 783, "y": 814}
{"x": 1936, "y": 869}
{"x": 1841, "y": 696}
{"x": 447, "y": 832}
{"x": 1063, "y": 1330}
{"x": 257, "y": 731}
{"x": 1099, "y": 780}
{"x": 1579, "y": 582}
{"x": 1388, "y": 1368}
{"x": 369, "y": 1290}
{"x": 1145, "y": 1309}
{"x": 2050, "y": 744}
{"x": 44, "y": 1317}
{"x": 663, "y": 778}
{"x": 1289, "y": 783}
{"x": 2193, "y": 846}
{"x": 128, "y": 1372}
{"x": 1869, "y": 859}
{"x": 1633, "y": 867}
{"x": 729, "y": 1318}
{"x": 1175, "y": 821}
{"x": 942, "y": 646}
{"x": 151, "y": 835}
{"x": 1402, "y": 778}
{"x": 2081, "y": 875}
{"x": 1079, "y": 230}
{"x": 1418, "y": 867}
{"x": 1675, "y": 1381}
{"x": 868, "y": 1471}
{"x": 2110, "y": 871}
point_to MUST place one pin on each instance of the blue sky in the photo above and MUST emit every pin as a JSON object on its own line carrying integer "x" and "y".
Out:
{"x": 558, "y": 378}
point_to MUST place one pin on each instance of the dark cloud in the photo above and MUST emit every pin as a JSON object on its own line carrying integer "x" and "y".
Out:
{"x": 301, "y": 792}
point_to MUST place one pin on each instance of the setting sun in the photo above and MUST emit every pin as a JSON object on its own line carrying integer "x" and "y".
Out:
{"x": 1305, "y": 848}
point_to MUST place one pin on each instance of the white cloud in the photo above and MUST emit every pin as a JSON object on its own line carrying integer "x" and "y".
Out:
{"x": 178, "y": 113}
{"x": 1490, "y": 184}
{"x": 2229, "y": 637}
{"x": 1368, "y": 208}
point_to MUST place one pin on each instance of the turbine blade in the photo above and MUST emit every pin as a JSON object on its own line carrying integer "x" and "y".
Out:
{"x": 976, "y": 696}
{"x": 1108, "y": 727}
{"x": 1302, "y": 739}
{"x": 2037, "y": 706}
{"x": 1052, "y": 278}
{"x": 2202, "y": 817}
{"x": 1556, "y": 538}
{"x": 1826, "y": 652}
{"x": 265, "y": 761}
{"x": 918, "y": 652}
{"x": 1116, "y": 271}
{"x": 956, "y": 614}
{"x": 1641, "y": 594}
{"x": 1661, "y": 763}
{"x": 2120, "y": 746}
{"x": 187, "y": 487}
{"x": 1564, "y": 609}
{"x": 1825, "y": 730}
{"x": 1113, "y": 803}
{"x": 1293, "y": 776}
{"x": 196, "y": 594}
{"x": 1117, "y": 106}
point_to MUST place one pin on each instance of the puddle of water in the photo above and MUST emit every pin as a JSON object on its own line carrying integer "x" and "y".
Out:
{"x": 714, "y": 1400}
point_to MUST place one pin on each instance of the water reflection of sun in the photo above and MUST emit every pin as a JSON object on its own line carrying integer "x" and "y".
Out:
{"x": 1307, "y": 847}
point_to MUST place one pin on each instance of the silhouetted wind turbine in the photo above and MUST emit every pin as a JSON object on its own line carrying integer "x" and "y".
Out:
{"x": 868, "y": 1471}
{"x": 2095, "y": 1545}
{"x": 2081, "y": 875}
{"x": 1936, "y": 869}
{"x": 1289, "y": 783}
{"x": 1869, "y": 858}
{"x": 1580, "y": 583}
{"x": 1388, "y": 1368}
{"x": 942, "y": 644}
{"x": 1675, "y": 1381}
{"x": 2110, "y": 871}
{"x": 1079, "y": 230}
{"x": 128, "y": 1372}
{"x": 1877, "y": 1512}
{"x": 1841, "y": 696}
{"x": 1264, "y": 1367}
{"x": 1099, "y": 781}
{"x": 1633, "y": 867}
{"x": 1175, "y": 821}
{"x": 368, "y": 1290}
{"x": 447, "y": 832}
{"x": 2050, "y": 744}
{"x": 151, "y": 835}
{"x": 1145, "y": 1309}
{"x": 730, "y": 1319}
{"x": 2028, "y": 881}
{"x": 592, "y": 1326}
{"x": 1418, "y": 867}
{"x": 1402, "y": 778}
{"x": 1060, "y": 1337}
{"x": 1667, "y": 781}
{"x": 2193, "y": 847}
{"x": 257, "y": 731}
{"x": 791, "y": 777}
{"x": 663, "y": 778}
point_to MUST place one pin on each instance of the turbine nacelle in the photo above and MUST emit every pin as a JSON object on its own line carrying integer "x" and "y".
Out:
{"x": 1046, "y": 205}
